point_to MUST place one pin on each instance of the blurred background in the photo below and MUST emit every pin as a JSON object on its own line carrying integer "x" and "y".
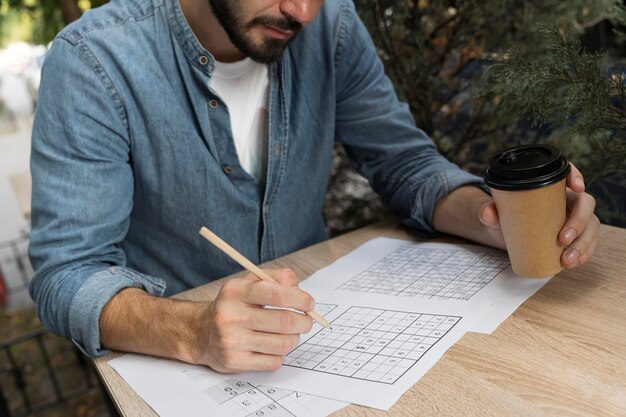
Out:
{"x": 478, "y": 76}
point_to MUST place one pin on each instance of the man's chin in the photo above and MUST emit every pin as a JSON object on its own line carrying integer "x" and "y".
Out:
{"x": 270, "y": 51}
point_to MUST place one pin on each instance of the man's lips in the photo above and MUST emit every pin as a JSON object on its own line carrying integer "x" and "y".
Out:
{"x": 278, "y": 33}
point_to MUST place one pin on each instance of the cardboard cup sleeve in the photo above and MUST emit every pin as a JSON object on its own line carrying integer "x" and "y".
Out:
{"x": 531, "y": 221}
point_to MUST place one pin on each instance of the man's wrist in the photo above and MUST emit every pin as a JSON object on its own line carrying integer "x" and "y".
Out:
{"x": 135, "y": 321}
{"x": 458, "y": 213}
{"x": 192, "y": 335}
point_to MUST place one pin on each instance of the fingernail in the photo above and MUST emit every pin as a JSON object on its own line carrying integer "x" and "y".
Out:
{"x": 569, "y": 235}
{"x": 572, "y": 256}
{"x": 312, "y": 304}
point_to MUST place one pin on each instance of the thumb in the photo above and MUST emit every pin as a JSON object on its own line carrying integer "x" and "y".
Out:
{"x": 488, "y": 215}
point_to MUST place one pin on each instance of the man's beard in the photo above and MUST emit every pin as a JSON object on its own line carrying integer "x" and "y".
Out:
{"x": 228, "y": 12}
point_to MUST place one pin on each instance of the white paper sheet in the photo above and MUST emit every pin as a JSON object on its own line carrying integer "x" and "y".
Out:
{"x": 176, "y": 389}
{"x": 464, "y": 274}
{"x": 395, "y": 308}
{"x": 378, "y": 347}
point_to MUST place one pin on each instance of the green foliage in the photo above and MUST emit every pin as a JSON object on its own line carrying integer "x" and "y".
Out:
{"x": 566, "y": 87}
{"x": 580, "y": 98}
{"x": 44, "y": 14}
{"x": 433, "y": 52}
{"x": 541, "y": 85}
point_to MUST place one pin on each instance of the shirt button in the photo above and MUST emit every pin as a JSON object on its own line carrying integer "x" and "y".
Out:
{"x": 213, "y": 104}
{"x": 228, "y": 170}
{"x": 203, "y": 60}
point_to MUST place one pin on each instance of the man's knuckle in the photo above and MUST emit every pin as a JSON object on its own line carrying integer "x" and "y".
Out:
{"x": 285, "y": 322}
{"x": 583, "y": 249}
{"x": 309, "y": 324}
{"x": 277, "y": 296}
{"x": 229, "y": 289}
{"x": 590, "y": 200}
{"x": 302, "y": 323}
{"x": 226, "y": 343}
{"x": 267, "y": 363}
{"x": 222, "y": 318}
{"x": 596, "y": 222}
{"x": 584, "y": 257}
{"x": 289, "y": 276}
{"x": 230, "y": 362}
{"x": 285, "y": 346}
{"x": 308, "y": 301}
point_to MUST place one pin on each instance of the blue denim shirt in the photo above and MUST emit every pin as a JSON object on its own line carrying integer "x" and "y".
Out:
{"x": 129, "y": 159}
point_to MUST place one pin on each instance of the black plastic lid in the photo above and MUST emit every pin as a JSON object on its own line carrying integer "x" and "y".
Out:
{"x": 526, "y": 167}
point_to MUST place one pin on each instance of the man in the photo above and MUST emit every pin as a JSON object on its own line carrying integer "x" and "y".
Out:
{"x": 157, "y": 118}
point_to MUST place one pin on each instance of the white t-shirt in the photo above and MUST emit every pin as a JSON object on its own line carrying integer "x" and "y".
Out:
{"x": 243, "y": 86}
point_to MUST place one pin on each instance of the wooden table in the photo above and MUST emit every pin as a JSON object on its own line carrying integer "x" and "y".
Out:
{"x": 562, "y": 353}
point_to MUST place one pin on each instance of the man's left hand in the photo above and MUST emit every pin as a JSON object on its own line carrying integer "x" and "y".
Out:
{"x": 579, "y": 234}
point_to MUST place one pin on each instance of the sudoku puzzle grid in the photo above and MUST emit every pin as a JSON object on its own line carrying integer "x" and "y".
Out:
{"x": 241, "y": 398}
{"x": 433, "y": 273}
{"x": 371, "y": 344}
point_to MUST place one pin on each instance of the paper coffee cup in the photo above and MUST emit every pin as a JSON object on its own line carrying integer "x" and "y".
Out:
{"x": 528, "y": 186}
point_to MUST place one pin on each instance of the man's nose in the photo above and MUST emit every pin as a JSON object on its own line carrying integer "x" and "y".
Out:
{"x": 302, "y": 11}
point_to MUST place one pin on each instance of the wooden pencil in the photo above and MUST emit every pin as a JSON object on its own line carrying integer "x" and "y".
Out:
{"x": 252, "y": 268}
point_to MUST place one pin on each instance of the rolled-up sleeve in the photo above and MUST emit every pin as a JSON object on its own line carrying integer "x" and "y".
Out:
{"x": 91, "y": 297}
{"x": 82, "y": 196}
{"x": 400, "y": 161}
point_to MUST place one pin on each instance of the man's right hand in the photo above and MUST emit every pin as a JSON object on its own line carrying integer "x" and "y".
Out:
{"x": 242, "y": 335}
{"x": 232, "y": 334}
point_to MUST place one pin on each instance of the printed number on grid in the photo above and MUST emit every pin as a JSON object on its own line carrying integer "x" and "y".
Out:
{"x": 371, "y": 344}
{"x": 241, "y": 399}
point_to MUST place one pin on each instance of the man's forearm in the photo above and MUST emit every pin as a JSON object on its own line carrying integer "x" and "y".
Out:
{"x": 458, "y": 213}
{"x": 134, "y": 321}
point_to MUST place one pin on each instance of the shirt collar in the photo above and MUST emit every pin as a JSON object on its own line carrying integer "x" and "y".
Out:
{"x": 192, "y": 48}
